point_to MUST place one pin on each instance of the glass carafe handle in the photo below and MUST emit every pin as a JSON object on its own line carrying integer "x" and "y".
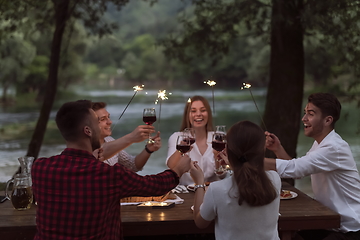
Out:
{"x": 7, "y": 195}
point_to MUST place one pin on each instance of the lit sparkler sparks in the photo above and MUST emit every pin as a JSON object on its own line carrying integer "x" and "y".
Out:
{"x": 161, "y": 97}
{"x": 138, "y": 88}
{"x": 211, "y": 83}
{"x": 248, "y": 86}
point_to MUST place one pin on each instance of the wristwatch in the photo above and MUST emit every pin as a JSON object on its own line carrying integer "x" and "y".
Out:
{"x": 199, "y": 186}
{"x": 147, "y": 150}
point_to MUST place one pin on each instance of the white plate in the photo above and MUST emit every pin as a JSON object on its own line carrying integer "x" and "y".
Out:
{"x": 293, "y": 195}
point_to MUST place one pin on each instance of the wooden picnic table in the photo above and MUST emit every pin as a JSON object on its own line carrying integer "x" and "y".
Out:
{"x": 298, "y": 213}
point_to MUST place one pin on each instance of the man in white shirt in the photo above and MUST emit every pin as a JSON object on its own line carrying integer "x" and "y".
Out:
{"x": 334, "y": 175}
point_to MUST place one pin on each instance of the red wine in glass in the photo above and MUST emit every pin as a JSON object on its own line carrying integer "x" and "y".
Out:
{"x": 218, "y": 146}
{"x": 190, "y": 140}
{"x": 149, "y": 117}
{"x": 183, "y": 144}
{"x": 183, "y": 148}
{"x": 219, "y": 141}
{"x": 219, "y": 137}
{"x": 189, "y": 134}
{"x": 149, "y": 120}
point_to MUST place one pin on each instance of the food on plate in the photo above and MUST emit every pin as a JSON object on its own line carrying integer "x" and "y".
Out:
{"x": 285, "y": 194}
{"x": 161, "y": 198}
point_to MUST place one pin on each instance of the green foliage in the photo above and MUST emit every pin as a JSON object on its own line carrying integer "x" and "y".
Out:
{"x": 37, "y": 75}
{"x": 223, "y": 40}
{"x": 107, "y": 51}
{"x": 139, "y": 57}
{"x": 143, "y": 61}
{"x": 214, "y": 27}
{"x": 331, "y": 37}
{"x": 335, "y": 26}
{"x": 15, "y": 55}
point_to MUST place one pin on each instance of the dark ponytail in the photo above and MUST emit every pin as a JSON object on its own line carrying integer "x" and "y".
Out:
{"x": 246, "y": 151}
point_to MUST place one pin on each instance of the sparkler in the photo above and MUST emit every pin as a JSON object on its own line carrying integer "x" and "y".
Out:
{"x": 211, "y": 83}
{"x": 248, "y": 86}
{"x": 191, "y": 123}
{"x": 136, "y": 89}
{"x": 161, "y": 97}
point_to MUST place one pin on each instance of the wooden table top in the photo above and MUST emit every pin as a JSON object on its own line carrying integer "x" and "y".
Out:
{"x": 303, "y": 212}
{"x": 299, "y": 213}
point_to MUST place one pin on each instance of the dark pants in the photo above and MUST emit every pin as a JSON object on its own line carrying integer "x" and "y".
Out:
{"x": 328, "y": 235}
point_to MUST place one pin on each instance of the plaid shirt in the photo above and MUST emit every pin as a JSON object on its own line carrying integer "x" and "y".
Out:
{"x": 78, "y": 197}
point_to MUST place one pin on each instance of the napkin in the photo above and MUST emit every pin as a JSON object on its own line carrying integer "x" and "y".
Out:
{"x": 180, "y": 189}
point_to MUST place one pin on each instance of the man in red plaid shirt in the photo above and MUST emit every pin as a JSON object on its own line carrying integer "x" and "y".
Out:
{"x": 78, "y": 196}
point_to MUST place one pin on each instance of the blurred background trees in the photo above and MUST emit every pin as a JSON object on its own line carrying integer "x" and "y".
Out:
{"x": 135, "y": 51}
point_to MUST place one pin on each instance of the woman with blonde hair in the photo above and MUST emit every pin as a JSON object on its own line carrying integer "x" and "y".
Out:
{"x": 249, "y": 198}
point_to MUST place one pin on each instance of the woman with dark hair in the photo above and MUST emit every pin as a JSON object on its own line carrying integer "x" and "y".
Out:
{"x": 197, "y": 115}
{"x": 249, "y": 198}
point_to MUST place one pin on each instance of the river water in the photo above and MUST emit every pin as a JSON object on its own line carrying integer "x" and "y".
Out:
{"x": 230, "y": 107}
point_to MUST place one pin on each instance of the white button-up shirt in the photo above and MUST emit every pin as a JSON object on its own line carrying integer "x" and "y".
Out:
{"x": 334, "y": 177}
{"x": 206, "y": 161}
{"x": 122, "y": 158}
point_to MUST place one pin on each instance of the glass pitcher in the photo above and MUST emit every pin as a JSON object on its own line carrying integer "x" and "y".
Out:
{"x": 25, "y": 166}
{"x": 21, "y": 195}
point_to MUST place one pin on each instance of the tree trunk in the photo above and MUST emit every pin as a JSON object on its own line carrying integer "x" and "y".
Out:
{"x": 4, "y": 94}
{"x": 286, "y": 86}
{"x": 61, "y": 8}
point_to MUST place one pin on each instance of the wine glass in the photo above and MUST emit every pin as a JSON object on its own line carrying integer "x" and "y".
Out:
{"x": 149, "y": 117}
{"x": 190, "y": 134}
{"x": 218, "y": 143}
{"x": 220, "y": 129}
{"x": 219, "y": 138}
{"x": 182, "y": 144}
